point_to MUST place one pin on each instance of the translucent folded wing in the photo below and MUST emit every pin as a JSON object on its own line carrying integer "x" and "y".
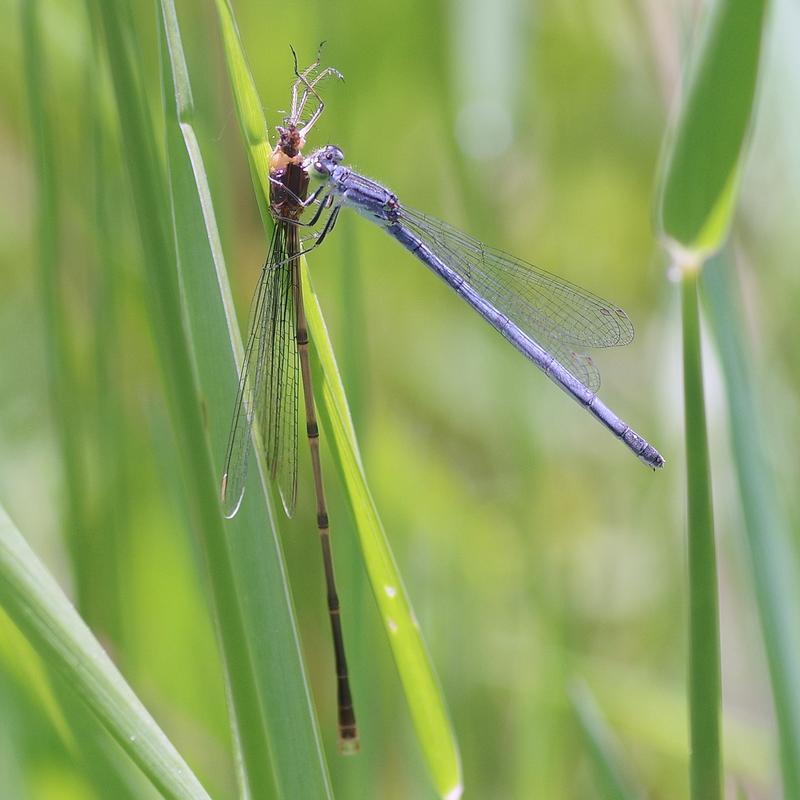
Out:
{"x": 268, "y": 386}
{"x": 579, "y": 364}
{"x": 540, "y": 304}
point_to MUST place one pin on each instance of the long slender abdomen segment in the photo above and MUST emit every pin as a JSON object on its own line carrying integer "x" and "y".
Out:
{"x": 554, "y": 370}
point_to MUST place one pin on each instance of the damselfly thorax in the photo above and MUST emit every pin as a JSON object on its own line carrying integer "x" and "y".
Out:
{"x": 288, "y": 178}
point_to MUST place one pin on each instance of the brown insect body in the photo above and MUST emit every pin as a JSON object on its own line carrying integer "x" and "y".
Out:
{"x": 288, "y": 189}
{"x": 282, "y": 306}
{"x": 289, "y": 184}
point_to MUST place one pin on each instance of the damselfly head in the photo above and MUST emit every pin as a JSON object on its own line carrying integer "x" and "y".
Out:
{"x": 290, "y": 140}
{"x": 322, "y": 162}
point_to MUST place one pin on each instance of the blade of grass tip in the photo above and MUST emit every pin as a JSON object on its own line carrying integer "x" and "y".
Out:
{"x": 696, "y": 200}
{"x": 699, "y": 186}
{"x": 149, "y": 193}
{"x": 612, "y": 774}
{"x": 772, "y": 557}
{"x": 60, "y": 375}
{"x": 297, "y": 754}
{"x": 36, "y": 604}
{"x": 421, "y": 686}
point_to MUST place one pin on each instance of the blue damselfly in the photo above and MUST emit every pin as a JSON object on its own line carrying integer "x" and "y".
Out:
{"x": 543, "y": 316}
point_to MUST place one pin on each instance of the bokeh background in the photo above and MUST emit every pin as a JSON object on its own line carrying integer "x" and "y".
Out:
{"x": 542, "y": 559}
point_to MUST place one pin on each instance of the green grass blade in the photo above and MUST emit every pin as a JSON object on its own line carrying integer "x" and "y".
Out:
{"x": 35, "y": 602}
{"x": 420, "y": 684}
{"x": 699, "y": 189}
{"x": 294, "y": 741}
{"x": 248, "y": 109}
{"x": 52, "y": 712}
{"x": 417, "y": 675}
{"x": 60, "y": 373}
{"x": 149, "y": 193}
{"x": 612, "y": 775}
{"x": 704, "y": 647}
{"x": 111, "y": 490}
{"x": 772, "y": 556}
{"x": 696, "y": 201}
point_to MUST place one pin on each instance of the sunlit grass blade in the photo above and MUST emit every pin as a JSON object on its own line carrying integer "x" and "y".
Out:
{"x": 696, "y": 202}
{"x": 772, "y": 555}
{"x": 612, "y": 774}
{"x": 35, "y": 602}
{"x": 150, "y": 200}
{"x": 419, "y": 681}
{"x": 420, "y": 684}
{"x": 297, "y": 757}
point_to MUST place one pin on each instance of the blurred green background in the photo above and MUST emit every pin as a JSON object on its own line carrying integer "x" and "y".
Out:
{"x": 539, "y": 554}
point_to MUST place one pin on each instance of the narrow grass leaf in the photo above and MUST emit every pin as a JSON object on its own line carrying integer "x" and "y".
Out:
{"x": 150, "y": 197}
{"x": 420, "y": 684}
{"x": 294, "y": 741}
{"x": 612, "y": 774}
{"x": 699, "y": 189}
{"x": 772, "y": 557}
{"x": 421, "y": 687}
{"x": 704, "y": 647}
{"x": 33, "y": 599}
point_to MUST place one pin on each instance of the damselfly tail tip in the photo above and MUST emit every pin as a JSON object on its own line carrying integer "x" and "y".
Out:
{"x": 644, "y": 450}
{"x": 348, "y": 743}
{"x": 652, "y": 457}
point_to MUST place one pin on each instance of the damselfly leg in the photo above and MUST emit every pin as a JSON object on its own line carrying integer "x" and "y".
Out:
{"x": 308, "y": 80}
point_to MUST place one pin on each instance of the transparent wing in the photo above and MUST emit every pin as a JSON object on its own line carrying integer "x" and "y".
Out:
{"x": 550, "y": 310}
{"x": 579, "y": 364}
{"x": 268, "y": 386}
{"x": 278, "y": 418}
